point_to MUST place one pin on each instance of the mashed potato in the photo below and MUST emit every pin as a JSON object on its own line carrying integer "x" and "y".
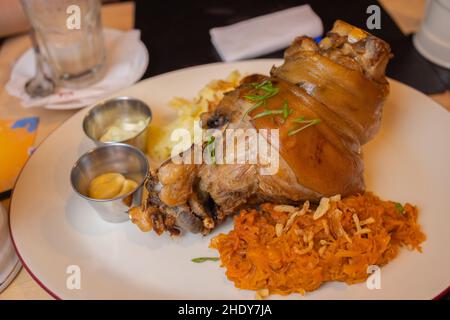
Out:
{"x": 159, "y": 144}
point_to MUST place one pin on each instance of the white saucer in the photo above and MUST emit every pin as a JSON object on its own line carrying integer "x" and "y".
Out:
{"x": 126, "y": 62}
{"x": 9, "y": 262}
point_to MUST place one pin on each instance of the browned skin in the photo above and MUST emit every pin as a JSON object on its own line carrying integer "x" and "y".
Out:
{"x": 318, "y": 157}
{"x": 339, "y": 81}
{"x": 346, "y": 77}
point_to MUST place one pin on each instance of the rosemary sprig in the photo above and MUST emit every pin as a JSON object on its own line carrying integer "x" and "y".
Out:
{"x": 204, "y": 259}
{"x": 307, "y": 123}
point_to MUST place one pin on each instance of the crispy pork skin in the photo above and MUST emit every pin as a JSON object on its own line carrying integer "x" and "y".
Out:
{"x": 335, "y": 87}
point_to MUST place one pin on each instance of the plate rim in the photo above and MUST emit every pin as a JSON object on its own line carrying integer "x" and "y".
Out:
{"x": 275, "y": 60}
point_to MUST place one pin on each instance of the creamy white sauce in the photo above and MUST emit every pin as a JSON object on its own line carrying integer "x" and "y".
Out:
{"x": 123, "y": 130}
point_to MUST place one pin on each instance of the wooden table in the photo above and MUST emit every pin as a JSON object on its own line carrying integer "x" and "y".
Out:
{"x": 406, "y": 13}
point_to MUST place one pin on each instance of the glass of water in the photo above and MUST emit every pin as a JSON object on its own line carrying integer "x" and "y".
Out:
{"x": 69, "y": 34}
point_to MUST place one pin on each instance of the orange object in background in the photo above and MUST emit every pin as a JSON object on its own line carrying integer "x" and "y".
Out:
{"x": 16, "y": 144}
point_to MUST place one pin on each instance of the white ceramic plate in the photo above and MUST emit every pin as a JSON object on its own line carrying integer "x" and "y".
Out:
{"x": 54, "y": 229}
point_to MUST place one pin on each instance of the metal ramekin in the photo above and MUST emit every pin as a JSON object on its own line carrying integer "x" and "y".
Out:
{"x": 114, "y": 157}
{"x": 106, "y": 113}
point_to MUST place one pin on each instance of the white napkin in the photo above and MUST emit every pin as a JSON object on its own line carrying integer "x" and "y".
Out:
{"x": 127, "y": 60}
{"x": 265, "y": 34}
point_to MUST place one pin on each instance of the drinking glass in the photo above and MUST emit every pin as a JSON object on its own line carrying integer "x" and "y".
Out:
{"x": 69, "y": 34}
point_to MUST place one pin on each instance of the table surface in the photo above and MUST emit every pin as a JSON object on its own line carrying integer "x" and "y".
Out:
{"x": 407, "y": 15}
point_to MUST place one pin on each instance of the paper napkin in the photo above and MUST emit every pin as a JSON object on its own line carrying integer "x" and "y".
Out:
{"x": 265, "y": 34}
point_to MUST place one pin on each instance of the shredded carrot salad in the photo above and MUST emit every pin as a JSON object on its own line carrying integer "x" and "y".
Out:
{"x": 285, "y": 249}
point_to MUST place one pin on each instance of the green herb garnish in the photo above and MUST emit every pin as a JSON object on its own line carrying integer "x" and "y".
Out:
{"x": 267, "y": 113}
{"x": 204, "y": 259}
{"x": 259, "y": 85}
{"x": 285, "y": 111}
{"x": 307, "y": 123}
{"x": 212, "y": 148}
{"x": 399, "y": 207}
{"x": 260, "y": 99}
{"x": 257, "y": 105}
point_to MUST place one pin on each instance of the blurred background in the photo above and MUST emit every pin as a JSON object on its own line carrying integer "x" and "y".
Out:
{"x": 176, "y": 32}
